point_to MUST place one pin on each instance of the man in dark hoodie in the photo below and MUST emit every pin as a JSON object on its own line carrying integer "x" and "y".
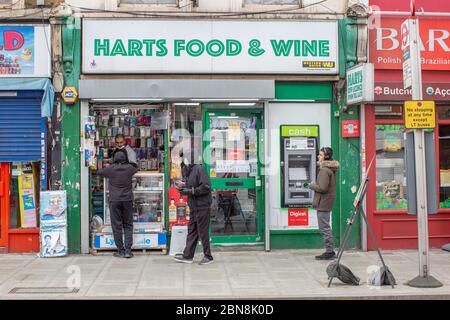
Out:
{"x": 324, "y": 197}
{"x": 120, "y": 175}
{"x": 197, "y": 187}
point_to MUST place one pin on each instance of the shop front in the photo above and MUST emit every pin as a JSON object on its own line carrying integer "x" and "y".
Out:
{"x": 26, "y": 101}
{"x": 219, "y": 97}
{"x": 385, "y": 128}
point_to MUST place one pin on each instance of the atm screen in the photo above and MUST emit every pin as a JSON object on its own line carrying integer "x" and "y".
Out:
{"x": 298, "y": 174}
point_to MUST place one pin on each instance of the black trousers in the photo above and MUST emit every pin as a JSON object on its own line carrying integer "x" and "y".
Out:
{"x": 122, "y": 218}
{"x": 198, "y": 227}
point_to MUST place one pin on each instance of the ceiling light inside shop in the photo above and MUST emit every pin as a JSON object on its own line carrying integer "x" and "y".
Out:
{"x": 126, "y": 100}
{"x": 186, "y": 104}
{"x": 225, "y": 100}
{"x": 242, "y": 104}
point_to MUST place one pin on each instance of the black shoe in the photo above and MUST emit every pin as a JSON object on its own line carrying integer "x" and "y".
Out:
{"x": 119, "y": 254}
{"x": 183, "y": 259}
{"x": 128, "y": 254}
{"x": 326, "y": 256}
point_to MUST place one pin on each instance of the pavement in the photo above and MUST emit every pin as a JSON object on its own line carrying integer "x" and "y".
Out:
{"x": 278, "y": 274}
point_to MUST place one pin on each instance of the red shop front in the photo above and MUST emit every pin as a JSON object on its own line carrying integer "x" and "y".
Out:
{"x": 384, "y": 133}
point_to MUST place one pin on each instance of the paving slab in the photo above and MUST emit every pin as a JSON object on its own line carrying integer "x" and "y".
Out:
{"x": 286, "y": 274}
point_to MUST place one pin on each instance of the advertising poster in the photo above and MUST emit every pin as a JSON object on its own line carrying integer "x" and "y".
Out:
{"x": 53, "y": 242}
{"x": 17, "y": 52}
{"x": 53, "y": 207}
{"x": 90, "y": 132}
{"x": 298, "y": 217}
{"x": 53, "y": 218}
{"x": 301, "y": 219}
{"x": 27, "y": 197}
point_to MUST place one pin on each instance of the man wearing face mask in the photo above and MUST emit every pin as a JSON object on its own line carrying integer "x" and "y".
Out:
{"x": 122, "y": 145}
{"x": 197, "y": 186}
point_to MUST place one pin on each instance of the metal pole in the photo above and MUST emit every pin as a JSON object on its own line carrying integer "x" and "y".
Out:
{"x": 424, "y": 280}
{"x": 419, "y": 150}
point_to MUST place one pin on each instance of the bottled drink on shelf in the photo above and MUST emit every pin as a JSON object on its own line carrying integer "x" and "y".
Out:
{"x": 181, "y": 210}
{"x": 172, "y": 210}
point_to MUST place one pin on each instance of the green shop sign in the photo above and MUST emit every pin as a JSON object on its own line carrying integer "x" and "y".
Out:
{"x": 360, "y": 83}
{"x": 213, "y": 48}
{"x": 206, "y": 46}
{"x": 299, "y": 131}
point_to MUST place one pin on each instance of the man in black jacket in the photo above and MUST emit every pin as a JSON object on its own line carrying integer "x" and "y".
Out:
{"x": 120, "y": 175}
{"x": 197, "y": 187}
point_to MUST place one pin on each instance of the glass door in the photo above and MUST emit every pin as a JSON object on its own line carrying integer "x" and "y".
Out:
{"x": 231, "y": 157}
{"x": 4, "y": 207}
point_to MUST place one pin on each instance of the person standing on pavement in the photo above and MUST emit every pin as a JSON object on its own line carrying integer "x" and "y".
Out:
{"x": 324, "y": 196}
{"x": 197, "y": 186}
{"x": 120, "y": 175}
{"x": 121, "y": 144}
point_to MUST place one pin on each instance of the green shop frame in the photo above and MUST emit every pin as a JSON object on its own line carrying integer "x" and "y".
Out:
{"x": 299, "y": 147}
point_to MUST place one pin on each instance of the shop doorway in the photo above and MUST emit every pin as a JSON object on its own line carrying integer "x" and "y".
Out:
{"x": 231, "y": 157}
{"x": 4, "y": 206}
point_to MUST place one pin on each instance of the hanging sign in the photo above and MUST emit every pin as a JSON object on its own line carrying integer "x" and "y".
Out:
{"x": 360, "y": 83}
{"x": 406, "y": 53}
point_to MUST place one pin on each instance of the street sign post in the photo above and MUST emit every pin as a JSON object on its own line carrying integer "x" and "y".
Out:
{"x": 417, "y": 120}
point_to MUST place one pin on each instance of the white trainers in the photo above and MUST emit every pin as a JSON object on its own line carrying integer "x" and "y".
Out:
{"x": 205, "y": 260}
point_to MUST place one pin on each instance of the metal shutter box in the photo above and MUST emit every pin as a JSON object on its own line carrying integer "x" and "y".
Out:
{"x": 20, "y": 125}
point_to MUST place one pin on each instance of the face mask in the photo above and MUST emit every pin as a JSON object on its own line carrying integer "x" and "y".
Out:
{"x": 186, "y": 161}
{"x": 121, "y": 147}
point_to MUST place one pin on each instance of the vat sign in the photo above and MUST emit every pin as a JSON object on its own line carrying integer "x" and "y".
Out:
{"x": 298, "y": 217}
{"x": 360, "y": 83}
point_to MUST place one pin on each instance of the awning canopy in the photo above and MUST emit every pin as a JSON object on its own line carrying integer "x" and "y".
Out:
{"x": 15, "y": 84}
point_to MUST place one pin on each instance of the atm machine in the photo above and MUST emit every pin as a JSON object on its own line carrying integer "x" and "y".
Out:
{"x": 298, "y": 166}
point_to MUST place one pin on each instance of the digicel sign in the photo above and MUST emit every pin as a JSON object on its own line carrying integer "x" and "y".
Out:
{"x": 385, "y": 49}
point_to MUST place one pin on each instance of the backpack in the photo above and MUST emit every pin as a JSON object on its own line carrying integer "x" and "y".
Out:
{"x": 343, "y": 273}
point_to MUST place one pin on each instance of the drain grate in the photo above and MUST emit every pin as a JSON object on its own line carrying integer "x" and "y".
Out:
{"x": 43, "y": 290}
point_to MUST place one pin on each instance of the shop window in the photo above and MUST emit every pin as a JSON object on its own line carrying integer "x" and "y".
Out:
{"x": 386, "y": 112}
{"x": 443, "y": 113}
{"x": 24, "y": 195}
{"x": 185, "y": 136}
{"x": 143, "y": 127}
{"x": 390, "y": 167}
{"x": 444, "y": 165}
{"x": 233, "y": 140}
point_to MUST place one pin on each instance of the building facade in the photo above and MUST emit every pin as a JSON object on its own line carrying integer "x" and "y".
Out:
{"x": 244, "y": 87}
{"x": 384, "y": 126}
{"x": 27, "y": 99}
